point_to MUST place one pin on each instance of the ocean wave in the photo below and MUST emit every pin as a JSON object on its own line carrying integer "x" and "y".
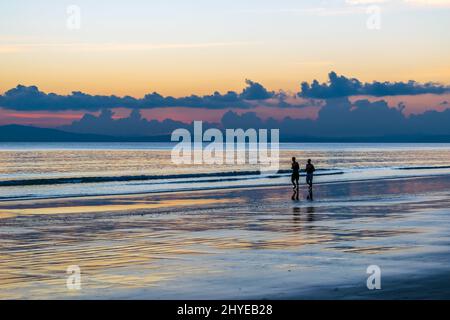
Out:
{"x": 177, "y": 178}
{"x": 424, "y": 168}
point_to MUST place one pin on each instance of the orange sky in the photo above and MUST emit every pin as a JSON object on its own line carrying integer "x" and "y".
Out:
{"x": 179, "y": 49}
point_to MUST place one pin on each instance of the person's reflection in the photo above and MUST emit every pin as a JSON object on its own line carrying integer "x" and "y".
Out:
{"x": 310, "y": 194}
{"x": 295, "y": 195}
{"x": 310, "y": 214}
{"x": 297, "y": 219}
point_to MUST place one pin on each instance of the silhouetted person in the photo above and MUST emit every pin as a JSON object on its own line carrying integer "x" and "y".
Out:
{"x": 309, "y": 177}
{"x": 295, "y": 173}
{"x": 295, "y": 178}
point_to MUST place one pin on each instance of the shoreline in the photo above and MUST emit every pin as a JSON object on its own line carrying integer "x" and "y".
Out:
{"x": 286, "y": 186}
{"x": 182, "y": 245}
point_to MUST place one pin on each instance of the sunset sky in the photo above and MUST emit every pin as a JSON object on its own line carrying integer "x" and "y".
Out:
{"x": 179, "y": 48}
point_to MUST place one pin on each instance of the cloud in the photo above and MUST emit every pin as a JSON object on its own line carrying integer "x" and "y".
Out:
{"x": 365, "y": 2}
{"x": 23, "y": 98}
{"x": 255, "y": 91}
{"x": 311, "y": 11}
{"x": 430, "y": 3}
{"x": 341, "y": 86}
{"x": 341, "y": 118}
{"x": 113, "y": 47}
{"x": 338, "y": 118}
{"x": 30, "y": 98}
{"x": 349, "y": 7}
{"x": 132, "y": 126}
{"x": 426, "y": 3}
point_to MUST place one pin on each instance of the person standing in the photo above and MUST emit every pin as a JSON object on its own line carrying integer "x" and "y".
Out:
{"x": 295, "y": 173}
{"x": 295, "y": 177}
{"x": 310, "y": 169}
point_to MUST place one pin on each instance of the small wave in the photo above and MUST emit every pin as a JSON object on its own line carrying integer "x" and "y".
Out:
{"x": 215, "y": 177}
{"x": 424, "y": 168}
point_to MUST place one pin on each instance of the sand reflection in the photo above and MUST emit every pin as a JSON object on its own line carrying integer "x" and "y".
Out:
{"x": 150, "y": 243}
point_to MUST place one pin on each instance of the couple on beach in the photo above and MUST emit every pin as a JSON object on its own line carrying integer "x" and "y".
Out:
{"x": 296, "y": 177}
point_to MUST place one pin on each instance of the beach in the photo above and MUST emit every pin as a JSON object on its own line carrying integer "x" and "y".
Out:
{"x": 233, "y": 243}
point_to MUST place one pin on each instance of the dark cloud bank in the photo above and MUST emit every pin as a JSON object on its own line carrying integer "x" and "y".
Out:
{"x": 339, "y": 118}
{"x": 23, "y": 98}
{"x": 341, "y": 86}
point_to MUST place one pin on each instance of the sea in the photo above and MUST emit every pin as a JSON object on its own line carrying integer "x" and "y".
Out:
{"x": 57, "y": 170}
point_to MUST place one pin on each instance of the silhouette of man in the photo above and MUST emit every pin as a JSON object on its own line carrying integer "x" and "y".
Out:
{"x": 295, "y": 173}
{"x": 310, "y": 176}
{"x": 295, "y": 177}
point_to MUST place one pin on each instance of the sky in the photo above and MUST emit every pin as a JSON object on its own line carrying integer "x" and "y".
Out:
{"x": 180, "y": 48}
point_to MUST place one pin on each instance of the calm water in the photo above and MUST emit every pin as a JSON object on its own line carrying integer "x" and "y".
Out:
{"x": 45, "y": 170}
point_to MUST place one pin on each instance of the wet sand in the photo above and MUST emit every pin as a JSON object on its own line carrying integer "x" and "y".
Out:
{"x": 233, "y": 244}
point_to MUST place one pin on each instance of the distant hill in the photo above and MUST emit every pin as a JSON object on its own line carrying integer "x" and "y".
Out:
{"x": 19, "y": 133}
